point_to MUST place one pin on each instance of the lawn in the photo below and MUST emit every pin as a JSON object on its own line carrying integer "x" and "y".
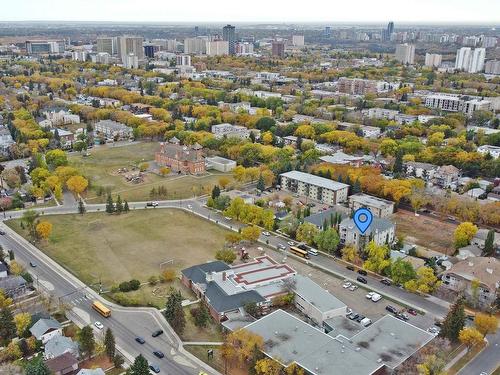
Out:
{"x": 425, "y": 231}
{"x": 102, "y": 166}
{"x": 116, "y": 248}
{"x": 211, "y": 333}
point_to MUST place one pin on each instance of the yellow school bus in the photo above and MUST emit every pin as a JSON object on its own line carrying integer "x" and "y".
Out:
{"x": 101, "y": 309}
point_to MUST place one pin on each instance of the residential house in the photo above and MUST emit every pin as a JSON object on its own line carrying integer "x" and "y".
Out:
{"x": 314, "y": 187}
{"x": 494, "y": 151}
{"x": 3, "y": 270}
{"x": 65, "y": 137}
{"x": 62, "y": 365}
{"x": 46, "y": 329}
{"x": 13, "y": 285}
{"x": 341, "y": 158}
{"x": 381, "y": 231}
{"x": 447, "y": 176}
{"x": 479, "y": 238}
{"x": 469, "y": 251}
{"x": 378, "y": 206}
{"x": 5, "y": 140}
{"x": 425, "y": 171}
{"x": 485, "y": 270}
{"x": 58, "y": 345}
{"x": 113, "y": 130}
{"x": 181, "y": 158}
{"x": 476, "y": 193}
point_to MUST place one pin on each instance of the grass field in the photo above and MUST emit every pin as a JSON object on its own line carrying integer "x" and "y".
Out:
{"x": 425, "y": 231}
{"x": 103, "y": 163}
{"x": 116, "y": 248}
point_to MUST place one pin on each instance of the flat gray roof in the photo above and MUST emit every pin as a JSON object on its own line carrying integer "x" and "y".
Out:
{"x": 370, "y": 200}
{"x": 288, "y": 340}
{"x": 316, "y": 295}
{"x": 392, "y": 340}
{"x": 315, "y": 180}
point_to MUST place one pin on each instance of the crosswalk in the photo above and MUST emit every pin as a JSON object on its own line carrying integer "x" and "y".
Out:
{"x": 78, "y": 300}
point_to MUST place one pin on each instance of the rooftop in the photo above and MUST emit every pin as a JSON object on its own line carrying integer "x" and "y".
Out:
{"x": 319, "y": 218}
{"x": 484, "y": 269}
{"x": 378, "y": 224}
{"x": 370, "y": 200}
{"x": 315, "y": 180}
{"x": 316, "y": 295}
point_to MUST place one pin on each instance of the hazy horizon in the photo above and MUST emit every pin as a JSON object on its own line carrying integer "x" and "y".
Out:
{"x": 461, "y": 12}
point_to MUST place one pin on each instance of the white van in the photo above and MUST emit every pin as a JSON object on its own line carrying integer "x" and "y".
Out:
{"x": 312, "y": 251}
{"x": 366, "y": 322}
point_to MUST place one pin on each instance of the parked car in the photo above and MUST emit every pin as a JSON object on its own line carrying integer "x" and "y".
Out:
{"x": 158, "y": 354}
{"x": 353, "y": 287}
{"x": 360, "y": 318}
{"x": 376, "y": 297}
{"x": 291, "y": 243}
{"x": 402, "y": 316}
{"x": 140, "y": 340}
{"x": 346, "y": 285}
{"x": 157, "y": 333}
{"x": 281, "y": 246}
{"x": 2, "y": 232}
{"x": 434, "y": 330}
{"x": 266, "y": 233}
{"x": 154, "y": 368}
{"x": 412, "y": 312}
{"x": 348, "y": 311}
{"x": 152, "y": 204}
{"x": 369, "y": 295}
{"x": 362, "y": 272}
{"x": 350, "y": 268}
{"x": 362, "y": 280}
{"x": 353, "y": 316}
{"x": 391, "y": 309}
{"x": 386, "y": 281}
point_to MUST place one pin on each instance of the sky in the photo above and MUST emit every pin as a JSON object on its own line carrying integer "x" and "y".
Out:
{"x": 235, "y": 11}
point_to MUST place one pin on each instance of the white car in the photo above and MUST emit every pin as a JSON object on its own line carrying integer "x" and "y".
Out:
{"x": 266, "y": 233}
{"x": 281, "y": 246}
{"x": 376, "y": 297}
{"x": 348, "y": 311}
{"x": 227, "y": 218}
{"x": 190, "y": 207}
{"x": 370, "y": 295}
{"x": 346, "y": 285}
{"x": 353, "y": 287}
{"x": 99, "y": 325}
{"x": 291, "y": 243}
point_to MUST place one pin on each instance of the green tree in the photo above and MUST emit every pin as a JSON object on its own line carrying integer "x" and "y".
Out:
{"x": 174, "y": 313}
{"x": 119, "y": 205}
{"x": 201, "y": 316}
{"x": 306, "y": 233}
{"x": 109, "y": 343}
{"x": 126, "y": 207}
{"x": 87, "y": 341}
{"x": 7, "y": 325}
{"x": 261, "y": 185}
{"x": 215, "y": 192}
{"x": 37, "y": 367}
{"x": 454, "y": 321}
{"x": 489, "y": 243}
{"x": 29, "y": 218}
{"x": 81, "y": 207}
{"x": 110, "y": 208}
{"x": 139, "y": 367}
{"x": 327, "y": 240}
{"x": 402, "y": 271}
{"x": 398, "y": 163}
{"x": 226, "y": 255}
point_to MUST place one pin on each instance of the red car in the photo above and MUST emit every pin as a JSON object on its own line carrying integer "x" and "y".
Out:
{"x": 412, "y": 312}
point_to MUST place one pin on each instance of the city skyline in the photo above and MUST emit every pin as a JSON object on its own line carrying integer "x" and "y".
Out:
{"x": 443, "y": 11}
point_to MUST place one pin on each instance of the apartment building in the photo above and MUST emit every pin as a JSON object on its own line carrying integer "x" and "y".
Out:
{"x": 229, "y": 130}
{"x": 433, "y": 60}
{"x": 356, "y": 86}
{"x": 381, "y": 231}
{"x": 378, "y": 206}
{"x": 317, "y": 188}
{"x": 405, "y": 53}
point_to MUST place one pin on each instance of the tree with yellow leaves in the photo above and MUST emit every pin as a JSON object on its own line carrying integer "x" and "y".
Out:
{"x": 4, "y": 300}
{"x": 164, "y": 171}
{"x": 251, "y": 233}
{"x": 22, "y": 320}
{"x": 44, "y": 229}
{"x": 470, "y": 337}
{"x": 464, "y": 233}
{"x": 16, "y": 268}
{"x": 350, "y": 254}
{"x": 267, "y": 366}
{"x": 77, "y": 184}
{"x": 240, "y": 345}
{"x": 485, "y": 323}
{"x": 224, "y": 182}
{"x": 378, "y": 257}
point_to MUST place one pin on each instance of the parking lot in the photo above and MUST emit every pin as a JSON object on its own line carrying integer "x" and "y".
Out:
{"x": 354, "y": 299}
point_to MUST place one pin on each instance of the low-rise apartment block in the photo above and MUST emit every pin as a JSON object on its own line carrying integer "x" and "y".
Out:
{"x": 378, "y": 206}
{"x": 314, "y": 187}
{"x": 381, "y": 231}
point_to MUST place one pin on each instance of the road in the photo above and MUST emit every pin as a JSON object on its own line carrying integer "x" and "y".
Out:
{"x": 126, "y": 323}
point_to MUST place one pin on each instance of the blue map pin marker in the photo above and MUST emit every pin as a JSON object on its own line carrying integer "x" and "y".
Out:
{"x": 363, "y": 218}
